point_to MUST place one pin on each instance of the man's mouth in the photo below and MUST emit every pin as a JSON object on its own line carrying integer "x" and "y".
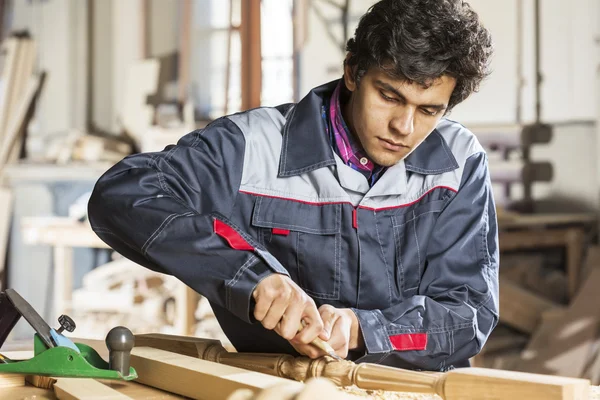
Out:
{"x": 393, "y": 146}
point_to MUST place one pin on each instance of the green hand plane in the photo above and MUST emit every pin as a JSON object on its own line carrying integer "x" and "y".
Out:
{"x": 55, "y": 354}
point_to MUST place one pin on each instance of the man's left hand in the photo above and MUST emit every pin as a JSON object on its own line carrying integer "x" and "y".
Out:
{"x": 340, "y": 329}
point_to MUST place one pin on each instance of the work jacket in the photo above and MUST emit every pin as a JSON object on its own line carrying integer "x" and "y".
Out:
{"x": 259, "y": 192}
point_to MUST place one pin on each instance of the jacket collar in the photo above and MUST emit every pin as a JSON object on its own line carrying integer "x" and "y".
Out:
{"x": 306, "y": 146}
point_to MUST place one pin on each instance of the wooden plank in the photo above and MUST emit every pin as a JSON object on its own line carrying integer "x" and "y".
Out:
{"x": 11, "y": 380}
{"x": 195, "y": 378}
{"x": 13, "y": 129}
{"x": 489, "y": 384}
{"x": 519, "y": 308}
{"x": 138, "y": 391}
{"x": 10, "y": 49}
{"x": 85, "y": 389}
{"x": 562, "y": 344}
{"x": 25, "y": 71}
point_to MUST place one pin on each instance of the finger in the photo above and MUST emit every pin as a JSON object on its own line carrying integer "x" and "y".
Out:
{"x": 308, "y": 350}
{"x": 340, "y": 336}
{"x": 314, "y": 324}
{"x": 262, "y": 306}
{"x": 275, "y": 313}
{"x": 288, "y": 326}
{"x": 329, "y": 317}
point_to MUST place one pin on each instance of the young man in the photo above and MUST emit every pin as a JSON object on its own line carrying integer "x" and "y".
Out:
{"x": 360, "y": 211}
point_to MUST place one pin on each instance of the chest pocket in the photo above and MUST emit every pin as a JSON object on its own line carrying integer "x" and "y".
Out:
{"x": 306, "y": 239}
{"x": 412, "y": 231}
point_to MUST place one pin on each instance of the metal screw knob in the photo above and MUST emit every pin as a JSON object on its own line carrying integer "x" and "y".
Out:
{"x": 119, "y": 342}
{"x": 66, "y": 323}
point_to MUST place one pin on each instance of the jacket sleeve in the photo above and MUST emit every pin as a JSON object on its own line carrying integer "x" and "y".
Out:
{"x": 169, "y": 211}
{"x": 456, "y": 306}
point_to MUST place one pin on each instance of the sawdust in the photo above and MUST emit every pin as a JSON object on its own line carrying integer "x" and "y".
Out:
{"x": 383, "y": 395}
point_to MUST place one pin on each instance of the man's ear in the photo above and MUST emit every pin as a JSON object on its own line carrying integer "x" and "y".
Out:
{"x": 349, "y": 75}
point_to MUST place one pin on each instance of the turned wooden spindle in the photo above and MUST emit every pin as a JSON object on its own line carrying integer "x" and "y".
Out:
{"x": 460, "y": 384}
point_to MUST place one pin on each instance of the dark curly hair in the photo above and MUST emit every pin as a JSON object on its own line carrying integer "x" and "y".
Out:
{"x": 421, "y": 40}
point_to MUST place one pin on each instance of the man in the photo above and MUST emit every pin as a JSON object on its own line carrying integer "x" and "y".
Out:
{"x": 359, "y": 212}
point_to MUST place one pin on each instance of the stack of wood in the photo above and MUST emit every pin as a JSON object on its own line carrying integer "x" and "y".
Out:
{"x": 549, "y": 297}
{"x": 19, "y": 88}
{"x": 78, "y": 146}
{"x": 122, "y": 292}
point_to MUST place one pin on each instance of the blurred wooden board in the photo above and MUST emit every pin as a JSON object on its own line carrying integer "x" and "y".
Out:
{"x": 562, "y": 344}
{"x": 11, "y": 380}
{"x": 509, "y": 220}
{"x": 196, "y": 378}
{"x": 571, "y": 238}
{"x": 85, "y": 389}
{"x": 521, "y": 309}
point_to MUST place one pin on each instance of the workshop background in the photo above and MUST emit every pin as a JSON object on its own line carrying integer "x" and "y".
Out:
{"x": 84, "y": 83}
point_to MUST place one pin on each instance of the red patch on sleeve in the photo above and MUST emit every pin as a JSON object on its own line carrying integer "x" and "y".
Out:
{"x": 235, "y": 240}
{"x": 409, "y": 341}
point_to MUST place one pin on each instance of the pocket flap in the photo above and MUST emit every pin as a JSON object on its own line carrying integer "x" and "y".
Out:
{"x": 418, "y": 210}
{"x": 296, "y": 216}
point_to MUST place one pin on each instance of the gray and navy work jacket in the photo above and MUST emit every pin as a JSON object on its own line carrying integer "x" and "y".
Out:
{"x": 261, "y": 192}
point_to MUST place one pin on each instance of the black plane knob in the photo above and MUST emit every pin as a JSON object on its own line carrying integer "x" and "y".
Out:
{"x": 66, "y": 324}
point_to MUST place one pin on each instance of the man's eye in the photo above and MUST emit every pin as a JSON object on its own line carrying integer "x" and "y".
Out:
{"x": 387, "y": 98}
{"x": 429, "y": 112}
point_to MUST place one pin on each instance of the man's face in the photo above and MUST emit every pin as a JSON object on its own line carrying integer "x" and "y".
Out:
{"x": 392, "y": 117}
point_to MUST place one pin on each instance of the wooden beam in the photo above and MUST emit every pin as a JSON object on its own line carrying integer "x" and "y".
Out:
{"x": 251, "y": 67}
{"x": 195, "y": 378}
{"x": 85, "y": 389}
{"x": 521, "y": 309}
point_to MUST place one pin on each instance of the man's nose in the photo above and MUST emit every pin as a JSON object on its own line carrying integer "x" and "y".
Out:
{"x": 403, "y": 121}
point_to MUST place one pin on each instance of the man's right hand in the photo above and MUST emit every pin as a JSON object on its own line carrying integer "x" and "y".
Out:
{"x": 282, "y": 305}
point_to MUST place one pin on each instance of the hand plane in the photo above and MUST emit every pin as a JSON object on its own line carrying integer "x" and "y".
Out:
{"x": 57, "y": 355}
